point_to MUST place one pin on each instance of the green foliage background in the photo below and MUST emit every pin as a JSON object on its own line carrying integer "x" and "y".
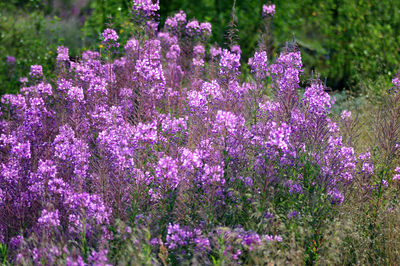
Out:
{"x": 347, "y": 41}
{"x": 352, "y": 43}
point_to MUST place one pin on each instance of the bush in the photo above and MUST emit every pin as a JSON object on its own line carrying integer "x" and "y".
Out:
{"x": 29, "y": 37}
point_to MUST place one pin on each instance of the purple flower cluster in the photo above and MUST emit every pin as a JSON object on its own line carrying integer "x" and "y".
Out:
{"x": 62, "y": 54}
{"x": 259, "y": 64}
{"x": 176, "y": 22}
{"x": 36, "y": 71}
{"x": 163, "y": 136}
{"x": 396, "y": 177}
{"x": 396, "y": 84}
{"x": 180, "y": 237}
{"x": 317, "y": 100}
{"x": 193, "y": 28}
{"x": 11, "y": 60}
{"x": 239, "y": 241}
{"x": 367, "y": 165}
{"x": 147, "y": 8}
{"x": 268, "y": 10}
{"x": 49, "y": 219}
{"x": 229, "y": 63}
{"x": 205, "y": 28}
{"x": 110, "y": 38}
{"x": 346, "y": 115}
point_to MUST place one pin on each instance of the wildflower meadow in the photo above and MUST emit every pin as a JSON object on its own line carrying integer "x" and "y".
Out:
{"x": 168, "y": 149}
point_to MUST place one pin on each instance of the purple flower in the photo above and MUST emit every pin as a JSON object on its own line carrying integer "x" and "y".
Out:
{"x": 279, "y": 136}
{"x": 228, "y": 121}
{"x": 75, "y": 261}
{"x": 317, "y": 100}
{"x": 199, "y": 50}
{"x": 110, "y": 35}
{"x": 132, "y": 45}
{"x": 250, "y": 240}
{"x": 72, "y": 151}
{"x": 259, "y": 64}
{"x": 49, "y": 219}
{"x": 16, "y": 241}
{"x": 268, "y": 215}
{"x": 62, "y": 53}
{"x": 178, "y": 20}
{"x": 193, "y": 28}
{"x": 11, "y": 60}
{"x": 205, "y": 28}
{"x": 215, "y": 51}
{"x": 336, "y": 196}
{"x": 167, "y": 172}
{"x": 163, "y": 127}
{"x": 110, "y": 38}
{"x": 75, "y": 93}
{"x": 171, "y": 23}
{"x": 396, "y": 84}
{"x": 236, "y": 255}
{"x": 180, "y": 17}
{"x": 198, "y": 62}
{"x": 174, "y": 52}
{"x": 36, "y": 71}
{"x": 293, "y": 214}
{"x": 146, "y": 7}
{"x": 230, "y": 62}
{"x": 23, "y": 80}
{"x": 155, "y": 241}
{"x": 294, "y": 187}
{"x": 273, "y": 238}
{"x": 286, "y": 72}
{"x": 345, "y": 115}
{"x": 268, "y": 10}
{"x": 177, "y": 236}
{"x": 248, "y": 181}
{"x": 367, "y": 165}
{"x": 236, "y": 49}
{"x": 99, "y": 258}
{"x": 396, "y": 177}
{"x": 90, "y": 55}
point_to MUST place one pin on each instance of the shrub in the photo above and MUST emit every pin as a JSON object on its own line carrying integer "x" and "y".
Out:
{"x": 30, "y": 36}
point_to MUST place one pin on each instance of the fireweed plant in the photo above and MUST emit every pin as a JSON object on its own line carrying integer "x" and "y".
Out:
{"x": 155, "y": 152}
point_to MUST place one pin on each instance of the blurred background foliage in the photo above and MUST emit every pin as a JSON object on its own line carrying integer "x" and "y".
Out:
{"x": 354, "y": 44}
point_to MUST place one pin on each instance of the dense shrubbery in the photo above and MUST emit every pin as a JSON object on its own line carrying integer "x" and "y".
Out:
{"x": 154, "y": 151}
{"x": 346, "y": 41}
{"x": 28, "y": 36}
{"x": 353, "y": 43}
